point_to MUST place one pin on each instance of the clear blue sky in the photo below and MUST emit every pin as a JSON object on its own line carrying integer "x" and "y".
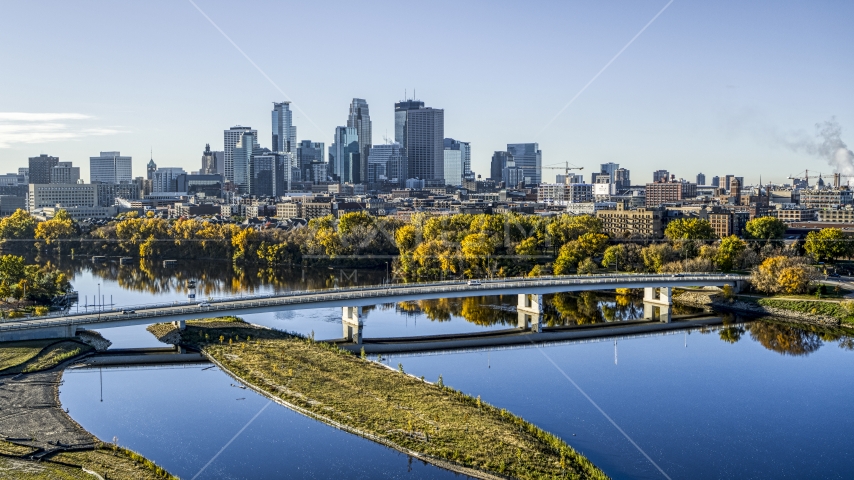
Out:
{"x": 709, "y": 87}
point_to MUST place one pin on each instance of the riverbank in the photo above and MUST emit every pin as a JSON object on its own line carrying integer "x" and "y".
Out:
{"x": 38, "y": 440}
{"x": 428, "y": 421}
{"x": 813, "y": 312}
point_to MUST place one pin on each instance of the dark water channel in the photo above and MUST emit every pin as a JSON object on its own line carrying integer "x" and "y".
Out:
{"x": 749, "y": 400}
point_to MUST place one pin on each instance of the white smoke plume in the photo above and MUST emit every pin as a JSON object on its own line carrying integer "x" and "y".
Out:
{"x": 827, "y": 145}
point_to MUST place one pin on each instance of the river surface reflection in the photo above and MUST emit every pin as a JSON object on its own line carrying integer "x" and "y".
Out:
{"x": 192, "y": 421}
{"x": 762, "y": 399}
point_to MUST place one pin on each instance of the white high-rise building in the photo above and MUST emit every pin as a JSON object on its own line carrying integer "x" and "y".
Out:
{"x": 457, "y": 162}
{"x": 110, "y": 167}
{"x": 230, "y": 139}
{"x": 453, "y": 167}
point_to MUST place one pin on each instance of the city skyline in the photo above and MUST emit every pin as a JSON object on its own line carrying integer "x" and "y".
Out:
{"x": 725, "y": 94}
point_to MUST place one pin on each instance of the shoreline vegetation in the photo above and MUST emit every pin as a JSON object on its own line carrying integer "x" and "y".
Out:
{"x": 433, "y": 246}
{"x": 431, "y": 422}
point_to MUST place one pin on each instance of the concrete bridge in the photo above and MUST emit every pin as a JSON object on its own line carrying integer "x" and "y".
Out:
{"x": 657, "y": 301}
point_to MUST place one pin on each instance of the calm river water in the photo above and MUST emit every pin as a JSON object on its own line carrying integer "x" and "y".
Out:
{"x": 759, "y": 400}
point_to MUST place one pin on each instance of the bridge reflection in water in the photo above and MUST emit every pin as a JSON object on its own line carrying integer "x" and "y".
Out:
{"x": 530, "y": 329}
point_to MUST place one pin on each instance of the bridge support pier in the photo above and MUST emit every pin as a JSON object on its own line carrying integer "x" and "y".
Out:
{"x": 661, "y": 300}
{"x": 530, "y": 310}
{"x": 664, "y": 296}
{"x": 352, "y": 321}
{"x": 650, "y": 310}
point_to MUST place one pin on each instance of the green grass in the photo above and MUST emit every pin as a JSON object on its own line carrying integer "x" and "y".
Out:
{"x": 13, "y": 354}
{"x": 831, "y": 309}
{"x": 394, "y": 407}
{"x": 37, "y": 355}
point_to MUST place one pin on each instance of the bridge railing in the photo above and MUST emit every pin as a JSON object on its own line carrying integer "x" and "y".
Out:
{"x": 368, "y": 291}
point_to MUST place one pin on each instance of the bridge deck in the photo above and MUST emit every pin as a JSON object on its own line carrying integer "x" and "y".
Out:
{"x": 66, "y": 325}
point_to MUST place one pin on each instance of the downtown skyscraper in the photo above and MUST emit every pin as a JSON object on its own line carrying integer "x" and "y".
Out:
{"x": 344, "y": 155}
{"x": 360, "y": 119}
{"x": 110, "y": 167}
{"x": 230, "y": 138}
{"x": 421, "y": 131}
{"x": 529, "y": 158}
{"x": 284, "y": 131}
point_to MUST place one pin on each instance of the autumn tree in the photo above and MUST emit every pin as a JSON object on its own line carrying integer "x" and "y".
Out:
{"x": 18, "y": 226}
{"x": 783, "y": 274}
{"x": 476, "y": 249}
{"x": 689, "y": 229}
{"x": 59, "y": 227}
{"x": 655, "y": 256}
{"x": 827, "y": 244}
{"x": 765, "y": 228}
{"x": 728, "y": 251}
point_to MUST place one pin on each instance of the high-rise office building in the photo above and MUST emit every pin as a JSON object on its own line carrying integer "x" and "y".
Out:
{"x": 212, "y": 161}
{"x": 344, "y": 155}
{"x": 262, "y": 172}
{"x": 660, "y": 175}
{"x": 230, "y": 139}
{"x": 701, "y": 179}
{"x": 529, "y": 158}
{"x": 308, "y": 154}
{"x": 716, "y": 181}
{"x": 284, "y": 131}
{"x": 241, "y": 159}
{"x": 453, "y": 168}
{"x": 40, "y": 169}
{"x": 609, "y": 168}
{"x": 165, "y": 179}
{"x": 360, "y": 119}
{"x": 499, "y": 161}
{"x": 400, "y": 115}
{"x": 622, "y": 179}
{"x": 64, "y": 172}
{"x": 457, "y": 162}
{"x": 387, "y": 162}
{"x": 110, "y": 167}
{"x": 421, "y": 131}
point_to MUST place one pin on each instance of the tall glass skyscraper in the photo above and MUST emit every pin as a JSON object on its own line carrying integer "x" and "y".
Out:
{"x": 284, "y": 131}
{"x": 360, "y": 119}
{"x": 400, "y": 109}
{"x": 309, "y": 154}
{"x": 388, "y": 161}
{"x": 457, "y": 161}
{"x": 242, "y": 157}
{"x": 529, "y": 158}
{"x": 344, "y": 155}
{"x": 230, "y": 138}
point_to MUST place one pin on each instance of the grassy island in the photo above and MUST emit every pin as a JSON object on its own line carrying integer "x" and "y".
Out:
{"x": 430, "y": 421}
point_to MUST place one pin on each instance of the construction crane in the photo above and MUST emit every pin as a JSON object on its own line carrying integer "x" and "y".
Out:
{"x": 566, "y": 168}
{"x": 837, "y": 177}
